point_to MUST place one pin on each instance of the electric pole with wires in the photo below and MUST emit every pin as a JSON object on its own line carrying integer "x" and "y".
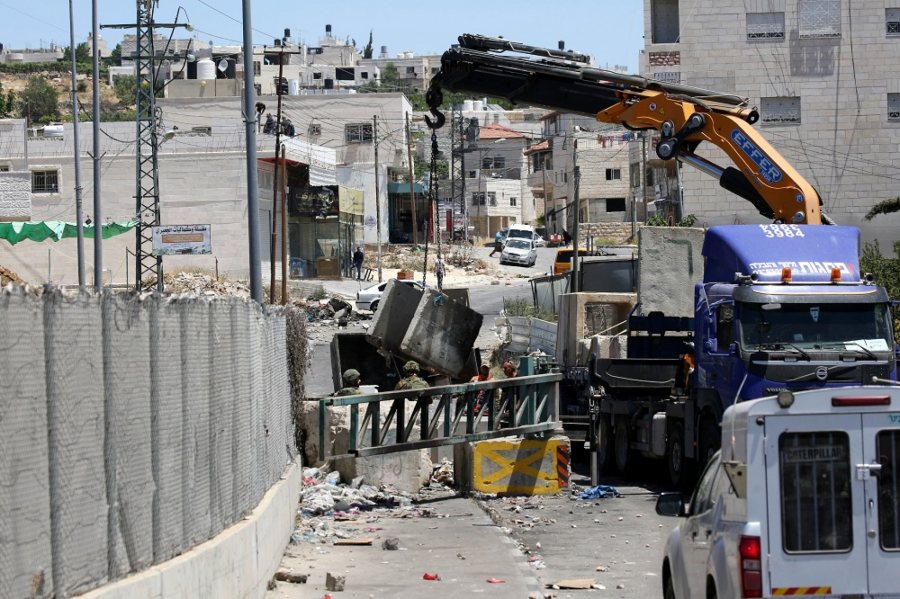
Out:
{"x": 149, "y": 123}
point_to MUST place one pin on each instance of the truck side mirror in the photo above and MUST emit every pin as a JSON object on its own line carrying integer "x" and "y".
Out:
{"x": 670, "y": 504}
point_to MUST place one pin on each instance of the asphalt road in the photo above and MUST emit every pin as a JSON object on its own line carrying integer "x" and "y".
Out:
{"x": 624, "y": 536}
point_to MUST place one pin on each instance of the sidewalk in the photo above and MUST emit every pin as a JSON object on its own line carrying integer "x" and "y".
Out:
{"x": 433, "y": 545}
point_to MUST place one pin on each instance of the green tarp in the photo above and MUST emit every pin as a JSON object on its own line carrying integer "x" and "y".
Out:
{"x": 54, "y": 230}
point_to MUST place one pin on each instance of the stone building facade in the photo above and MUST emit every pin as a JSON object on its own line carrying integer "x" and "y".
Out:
{"x": 826, "y": 78}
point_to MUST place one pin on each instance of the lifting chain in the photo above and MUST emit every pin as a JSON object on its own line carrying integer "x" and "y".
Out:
{"x": 432, "y": 189}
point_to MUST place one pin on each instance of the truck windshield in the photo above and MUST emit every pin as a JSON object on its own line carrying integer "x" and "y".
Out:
{"x": 857, "y": 327}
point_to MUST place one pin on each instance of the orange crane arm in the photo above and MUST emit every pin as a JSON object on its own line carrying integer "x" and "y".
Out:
{"x": 685, "y": 116}
{"x": 779, "y": 186}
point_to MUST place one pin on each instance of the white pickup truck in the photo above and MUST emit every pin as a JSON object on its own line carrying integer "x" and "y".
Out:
{"x": 802, "y": 500}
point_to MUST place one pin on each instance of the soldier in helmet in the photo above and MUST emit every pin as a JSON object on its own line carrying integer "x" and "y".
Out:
{"x": 412, "y": 380}
{"x": 350, "y": 383}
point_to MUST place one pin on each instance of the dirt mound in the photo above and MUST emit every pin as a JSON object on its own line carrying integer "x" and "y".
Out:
{"x": 7, "y": 276}
{"x": 201, "y": 284}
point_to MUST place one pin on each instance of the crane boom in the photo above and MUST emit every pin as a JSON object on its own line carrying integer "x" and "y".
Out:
{"x": 684, "y": 115}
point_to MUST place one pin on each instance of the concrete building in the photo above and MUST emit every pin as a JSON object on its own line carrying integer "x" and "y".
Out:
{"x": 496, "y": 193}
{"x": 31, "y": 55}
{"x": 602, "y": 155}
{"x": 826, "y": 78}
{"x": 202, "y": 175}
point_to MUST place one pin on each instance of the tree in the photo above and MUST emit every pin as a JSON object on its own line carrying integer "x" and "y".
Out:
{"x": 368, "y": 49}
{"x": 390, "y": 77}
{"x": 886, "y": 271}
{"x": 7, "y": 103}
{"x": 125, "y": 88}
{"x": 885, "y": 207}
{"x": 82, "y": 53}
{"x": 39, "y": 99}
{"x": 116, "y": 54}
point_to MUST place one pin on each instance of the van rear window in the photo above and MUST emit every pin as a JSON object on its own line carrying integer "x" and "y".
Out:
{"x": 564, "y": 256}
{"x": 887, "y": 445}
{"x": 815, "y": 492}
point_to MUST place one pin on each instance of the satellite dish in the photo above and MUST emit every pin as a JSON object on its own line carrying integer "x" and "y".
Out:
{"x": 223, "y": 65}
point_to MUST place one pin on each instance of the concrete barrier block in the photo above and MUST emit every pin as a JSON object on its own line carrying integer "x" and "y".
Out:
{"x": 587, "y": 314}
{"x": 671, "y": 263}
{"x": 442, "y": 333}
{"x": 514, "y": 466}
{"x": 394, "y": 315}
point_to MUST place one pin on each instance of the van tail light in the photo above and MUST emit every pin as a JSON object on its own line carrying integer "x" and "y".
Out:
{"x": 861, "y": 400}
{"x": 750, "y": 551}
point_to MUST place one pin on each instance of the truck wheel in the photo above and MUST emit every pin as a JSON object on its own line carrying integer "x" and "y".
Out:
{"x": 675, "y": 455}
{"x": 603, "y": 438}
{"x": 710, "y": 439}
{"x": 624, "y": 455}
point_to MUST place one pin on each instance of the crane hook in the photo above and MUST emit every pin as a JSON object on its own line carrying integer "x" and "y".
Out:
{"x": 434, "y": 97}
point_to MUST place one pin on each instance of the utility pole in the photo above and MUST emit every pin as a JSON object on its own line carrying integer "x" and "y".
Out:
{"x": 79, "y": 213}
{"x": 462, "y": 168}
{"x": 377, "y": 194}
{"x": 149, "y": 121}
{"x": 275, "y": 179}
{"x": 252, "y": 166}
{"x": 412, "y": 191}
{"x": 644, "y": 174}
{"x": 576, "y": 171}
{"x": 98, "y": 220}
{"x": 284, "y": 228}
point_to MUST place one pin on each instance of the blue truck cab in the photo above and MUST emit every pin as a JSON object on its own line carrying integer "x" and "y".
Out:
{"x": 781, "y": 307}
{"x": 786, "y": 307}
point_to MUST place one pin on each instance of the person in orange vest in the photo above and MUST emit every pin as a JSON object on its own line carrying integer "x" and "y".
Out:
{"x": 484, "y": 374}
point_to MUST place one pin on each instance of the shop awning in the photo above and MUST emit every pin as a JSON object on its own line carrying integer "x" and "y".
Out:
{"x": 404, "y": 188}
{"x": 54, "y": 230}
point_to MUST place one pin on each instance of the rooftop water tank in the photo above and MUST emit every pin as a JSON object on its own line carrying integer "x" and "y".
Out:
{"x": 53, "y": 131}
{"x": 206, "y": 69}
{"x": 468, "y": 105}
{"x": 293, "y": 87}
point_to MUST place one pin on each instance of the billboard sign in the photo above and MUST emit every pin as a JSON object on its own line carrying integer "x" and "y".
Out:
{"x": 173, "y": 240}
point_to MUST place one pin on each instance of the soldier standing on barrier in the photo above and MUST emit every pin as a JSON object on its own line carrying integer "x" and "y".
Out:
{"x": 412, "y": 380}
{"x": 350, "y": 384}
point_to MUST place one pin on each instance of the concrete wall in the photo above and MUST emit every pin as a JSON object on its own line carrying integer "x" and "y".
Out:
{"x": 131, "y": 430}
{"x": 844, "y": 144}
{"x": 15, "y": 196}
{"x": 236, "y": 564}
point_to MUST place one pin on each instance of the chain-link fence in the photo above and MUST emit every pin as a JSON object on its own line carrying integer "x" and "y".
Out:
{"x": 131, "y": 429}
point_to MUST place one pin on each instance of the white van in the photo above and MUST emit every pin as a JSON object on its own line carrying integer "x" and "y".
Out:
{"x": 525, "y": 232}
{"x": 802, "y": 499}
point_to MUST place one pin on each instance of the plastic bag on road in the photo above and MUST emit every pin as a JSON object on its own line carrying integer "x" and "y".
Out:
{"x": 599, "y": 492}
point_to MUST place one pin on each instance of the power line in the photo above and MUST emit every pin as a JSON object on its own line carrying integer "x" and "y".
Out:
{"x": 233, "y": 19}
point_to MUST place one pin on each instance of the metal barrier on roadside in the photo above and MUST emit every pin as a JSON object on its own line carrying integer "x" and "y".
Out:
{"x": 447, "y": 415}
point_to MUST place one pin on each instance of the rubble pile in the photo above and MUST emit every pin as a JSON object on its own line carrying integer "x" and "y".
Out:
{"x": 201, "y": 284}
{"x": 7, "y": 276}
{"x": 331, "y": 512}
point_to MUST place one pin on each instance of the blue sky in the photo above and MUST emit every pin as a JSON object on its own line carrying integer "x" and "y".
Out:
{"x": 610, "y": 31}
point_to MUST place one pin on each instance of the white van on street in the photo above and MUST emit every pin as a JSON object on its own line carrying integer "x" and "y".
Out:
{"x": 802, "y": 500}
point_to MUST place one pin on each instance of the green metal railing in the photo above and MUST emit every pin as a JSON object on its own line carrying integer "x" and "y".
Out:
{"x": 446, "y": 415}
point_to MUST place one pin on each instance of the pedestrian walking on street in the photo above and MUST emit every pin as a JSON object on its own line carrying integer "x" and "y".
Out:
{"x": 350, "y": 380}
{"x": 358, "y": 259}
{"x": 498, "y": 243}
{"x": 439, "y": 271}
{"x": 412, "y": 380}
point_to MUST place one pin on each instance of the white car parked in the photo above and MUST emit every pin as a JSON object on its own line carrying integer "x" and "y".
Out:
{"x": 368, "y": 298}
{"x": 802, "y": 499}
{"x": 518, "y": 251}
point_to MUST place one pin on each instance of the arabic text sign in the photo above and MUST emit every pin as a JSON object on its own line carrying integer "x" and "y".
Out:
{"x": 171, "y": 240}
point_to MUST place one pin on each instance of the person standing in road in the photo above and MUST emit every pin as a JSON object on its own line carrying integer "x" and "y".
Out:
{"x": 498, "y": 244}
{"x": 439, "y": 271}
{"x": 412, "y": 380}
{"x": 358, "y": 259}
{"x": 350, "y": 380}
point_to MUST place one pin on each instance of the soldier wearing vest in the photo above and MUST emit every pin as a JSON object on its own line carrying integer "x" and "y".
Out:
{"x": 351, "y": 383}
{"x": 412, "y": 380}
